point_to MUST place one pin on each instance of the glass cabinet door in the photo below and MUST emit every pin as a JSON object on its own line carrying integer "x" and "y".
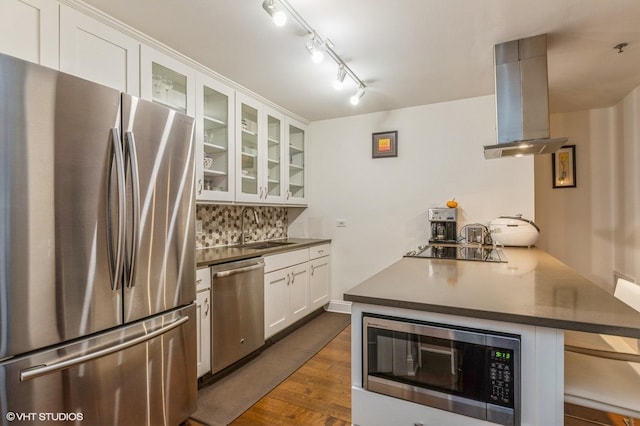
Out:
{"x": 274, "y": 154}
{"x": 214, "y": 122}
{"x": 169, "y": 88}
{"x": 248, "y": 168}
{"x": 167, "y": 81}
{"x": 296, "y": 190}
{"x": 274, "y": 176}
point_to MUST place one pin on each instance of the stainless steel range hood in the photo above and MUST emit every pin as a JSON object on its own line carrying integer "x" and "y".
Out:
{"x": 522, "y": 99}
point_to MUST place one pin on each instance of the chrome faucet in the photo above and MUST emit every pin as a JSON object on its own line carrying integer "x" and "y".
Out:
{"x": 243, "y": 234}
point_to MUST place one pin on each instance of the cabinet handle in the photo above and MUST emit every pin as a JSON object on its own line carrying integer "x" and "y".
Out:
{"x": 199, "y": 186}
{"x": 293, "y": 278}
{"x": 199, "y": 280}
{"x": 288, "y": 279}
{"x": 313, "y": 268}
{"x": 206, "y": 304}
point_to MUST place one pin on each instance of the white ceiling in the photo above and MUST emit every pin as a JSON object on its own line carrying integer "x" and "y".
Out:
{"x": 408, "y": 52}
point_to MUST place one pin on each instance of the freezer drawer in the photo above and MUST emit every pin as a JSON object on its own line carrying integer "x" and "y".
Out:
{"x": 141, "y": 374}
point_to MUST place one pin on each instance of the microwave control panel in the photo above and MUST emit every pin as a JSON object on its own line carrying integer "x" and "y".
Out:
{"x": 500, "y": 386}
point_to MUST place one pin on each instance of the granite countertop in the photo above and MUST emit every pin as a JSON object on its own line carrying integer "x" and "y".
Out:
{"x": 532, "y": 288}
{"x": 216, "y": 255}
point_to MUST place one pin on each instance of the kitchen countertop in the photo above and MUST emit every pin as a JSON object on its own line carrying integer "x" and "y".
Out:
{"x": 532, "y": 288}
{"x": 223, "y": 254}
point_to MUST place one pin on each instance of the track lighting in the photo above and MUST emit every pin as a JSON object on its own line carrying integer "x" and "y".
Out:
{"x": 355, "y": 99}
{"x": 316, "y": 45}
{"x": 278, "y": 16}
{"x": 315, "y": 49}
{"x": 338, "y": 84}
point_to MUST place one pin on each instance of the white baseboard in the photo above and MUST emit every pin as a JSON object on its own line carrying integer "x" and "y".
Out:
{"x": 339, "y": 306}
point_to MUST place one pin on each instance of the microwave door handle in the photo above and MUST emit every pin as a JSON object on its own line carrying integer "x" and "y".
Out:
{"x": 135, "y": 223}
{"x": 42, "y": 370}
{"x": 115, "y": 260}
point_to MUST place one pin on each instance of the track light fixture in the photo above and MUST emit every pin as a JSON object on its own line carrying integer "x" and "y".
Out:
{"x": 315, "y": 49}
{"x": 278, "y": 16}
{"x": 316, "y": 45}
{"x": 355, "y": 99}
{"x": 338, "y": 84}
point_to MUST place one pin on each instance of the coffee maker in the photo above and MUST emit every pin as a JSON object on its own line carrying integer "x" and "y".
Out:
{"x": 443, "y": 225}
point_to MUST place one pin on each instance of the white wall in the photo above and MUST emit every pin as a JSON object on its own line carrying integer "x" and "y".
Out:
{"x": 594, "y": 227}
{"x": 385, "y": 201}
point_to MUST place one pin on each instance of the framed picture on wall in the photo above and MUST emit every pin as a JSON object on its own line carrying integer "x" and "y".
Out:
{"x": 385, "y": 144}
{"x": 564, "y": 167}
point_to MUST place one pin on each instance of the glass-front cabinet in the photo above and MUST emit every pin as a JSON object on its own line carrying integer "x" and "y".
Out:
{"x": 273, "y": 177}
{"x": 296, "y": 156}
{"x": 167, "y": 81}
{"x": 259, "y": 153}
{"x": 248, "y": 147}
{"x": 214, "y": 140}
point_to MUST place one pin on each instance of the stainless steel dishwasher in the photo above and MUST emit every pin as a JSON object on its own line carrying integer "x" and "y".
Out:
{"x": 237, "y": 308}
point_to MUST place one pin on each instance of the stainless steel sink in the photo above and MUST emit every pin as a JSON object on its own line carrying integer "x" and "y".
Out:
{"x": 264, "y": 244}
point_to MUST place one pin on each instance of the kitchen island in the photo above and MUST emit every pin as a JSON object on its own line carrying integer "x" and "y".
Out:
{"x": 533, "y": 295}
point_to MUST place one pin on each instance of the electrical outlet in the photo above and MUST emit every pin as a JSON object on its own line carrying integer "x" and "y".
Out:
{"x": 341, "y": 223}
{"x": 198, "y": 227}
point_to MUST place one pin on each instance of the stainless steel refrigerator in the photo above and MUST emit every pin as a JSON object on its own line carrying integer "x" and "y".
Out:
{"x": 97, "y": 254}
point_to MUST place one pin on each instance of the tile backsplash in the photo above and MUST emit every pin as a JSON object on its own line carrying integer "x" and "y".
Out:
{"x": 221, "y": 224}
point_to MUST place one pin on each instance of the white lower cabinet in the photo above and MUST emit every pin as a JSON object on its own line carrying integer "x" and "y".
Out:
{"x": 203, "y": 320}
{"x": 296, "y": 283}
{"x": 319, "y": 276}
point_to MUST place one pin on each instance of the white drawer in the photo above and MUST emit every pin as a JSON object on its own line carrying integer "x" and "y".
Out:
{"x": 203, "y": 279}
{"x": 284, "y": 260}
{"x": 319, "y": 251}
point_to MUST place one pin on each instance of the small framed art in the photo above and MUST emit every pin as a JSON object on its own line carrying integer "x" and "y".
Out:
{"x": 385, "y": 144}
{"x": 564, "y": 167}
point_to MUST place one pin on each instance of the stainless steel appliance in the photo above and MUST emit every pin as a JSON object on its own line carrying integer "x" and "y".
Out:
{"x": 97, "y": 262}
{"x": 443, "y": 227}
{"x": 237, "y": 306}
{"x": 522, "y": 99}
{"x": 473, "y": 252}
{"x": 466, "y": 371}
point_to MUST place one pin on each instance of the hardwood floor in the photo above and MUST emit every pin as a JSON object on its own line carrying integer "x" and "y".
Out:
{"x": 318, "y": 393}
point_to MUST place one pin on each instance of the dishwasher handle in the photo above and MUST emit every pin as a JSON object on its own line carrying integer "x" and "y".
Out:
{"x": 220, "y": 274}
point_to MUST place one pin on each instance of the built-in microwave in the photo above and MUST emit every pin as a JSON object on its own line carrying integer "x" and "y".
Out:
{"x": 466, "y": 371}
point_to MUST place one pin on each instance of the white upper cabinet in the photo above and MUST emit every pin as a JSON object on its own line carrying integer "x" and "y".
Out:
{"x": 97, "y": 52}
{"x": 167, "y": 81}
{"x": 29, "y": 30}
{"x": 296, "y": 159}
{"x": 260, "y": 152}
{"x": 249, "y": 133}
{"x": 215, "y": 161}
{"x": 273, "y": 158}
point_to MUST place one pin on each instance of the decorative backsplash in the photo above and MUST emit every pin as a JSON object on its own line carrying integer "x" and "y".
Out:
{"x": 221, "y": 224}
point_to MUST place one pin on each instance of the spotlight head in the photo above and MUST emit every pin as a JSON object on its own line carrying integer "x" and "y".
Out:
{"x": 278, "y": 16}
{"x": 355, "y": 99}
{"x": 338, "y": 84}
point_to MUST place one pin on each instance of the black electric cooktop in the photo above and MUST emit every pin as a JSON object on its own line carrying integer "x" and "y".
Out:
{"x": 474, "y": 252}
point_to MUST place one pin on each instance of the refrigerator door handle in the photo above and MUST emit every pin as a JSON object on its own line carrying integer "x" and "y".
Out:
{"x": 130, "y": 150}
{"x": 42, "y": 370}
{"x": 116, "y": 261}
